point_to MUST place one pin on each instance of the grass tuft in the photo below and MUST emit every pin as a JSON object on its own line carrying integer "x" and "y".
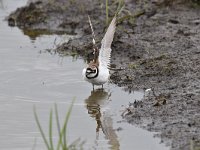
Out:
{"x": 62, "y": 132}
{"x": 120, "y": 7}
{"x": 41, "y": 130}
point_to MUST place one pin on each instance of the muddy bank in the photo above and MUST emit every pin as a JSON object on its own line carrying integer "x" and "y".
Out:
{"x": 156, "y": 45}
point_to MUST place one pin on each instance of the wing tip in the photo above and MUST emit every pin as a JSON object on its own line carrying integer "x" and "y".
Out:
{"x": 113, "y": 22}
{"x": 109, "y": 35}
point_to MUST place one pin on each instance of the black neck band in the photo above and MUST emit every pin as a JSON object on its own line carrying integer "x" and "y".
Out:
{"x": 95, "y": 75}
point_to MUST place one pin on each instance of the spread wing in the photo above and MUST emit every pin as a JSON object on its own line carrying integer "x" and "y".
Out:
{"x": 105, "y": 51}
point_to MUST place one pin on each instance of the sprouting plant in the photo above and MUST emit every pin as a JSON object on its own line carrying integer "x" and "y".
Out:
{"x": 62, "y": 132}
{"x": 120, "y": 6}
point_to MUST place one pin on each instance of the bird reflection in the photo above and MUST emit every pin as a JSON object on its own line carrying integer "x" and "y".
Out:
{"x": 94, "y": 103}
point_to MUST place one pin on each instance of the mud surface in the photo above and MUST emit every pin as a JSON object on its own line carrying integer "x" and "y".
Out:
{"x": 157, "y": 47}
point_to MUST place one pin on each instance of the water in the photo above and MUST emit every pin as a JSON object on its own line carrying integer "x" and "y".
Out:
{"x": 30, "y": 76}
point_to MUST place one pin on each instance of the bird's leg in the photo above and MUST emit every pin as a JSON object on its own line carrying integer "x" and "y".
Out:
{"x": 102, "y": 86}
{"x": 93, "y": 86}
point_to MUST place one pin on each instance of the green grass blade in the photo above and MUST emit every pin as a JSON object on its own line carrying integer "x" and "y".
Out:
{"x": 62, "y": 138}
{"x": 107, "y": 16}
{"x": 120, "y": 7}
{"x": 66, "y": 122}
{"x": 40, "y": 129}
{"x": 50, "y": 130}
{"x": 57, "y": 118}
{"x": 60, "y": 143}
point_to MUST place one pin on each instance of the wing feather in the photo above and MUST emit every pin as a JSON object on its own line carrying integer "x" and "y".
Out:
{"x": 105, "y": 51}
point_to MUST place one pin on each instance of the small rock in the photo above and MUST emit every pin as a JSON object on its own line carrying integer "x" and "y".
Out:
{"x": 196, "y": 22}
{"x": 174, "y": 21}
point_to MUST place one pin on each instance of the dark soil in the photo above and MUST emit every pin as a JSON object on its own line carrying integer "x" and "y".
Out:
{"x": 156, "y": 46}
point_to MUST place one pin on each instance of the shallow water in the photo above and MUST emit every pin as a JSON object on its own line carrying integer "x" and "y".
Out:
{"x": 30, "y": 76}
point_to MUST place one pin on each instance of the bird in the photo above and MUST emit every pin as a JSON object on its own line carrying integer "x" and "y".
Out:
{"x": 97, "y": 70}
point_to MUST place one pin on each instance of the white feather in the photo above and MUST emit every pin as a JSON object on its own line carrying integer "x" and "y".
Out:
{"x": 105, "y": 51}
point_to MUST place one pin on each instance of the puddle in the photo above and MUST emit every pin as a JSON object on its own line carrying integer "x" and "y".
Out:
{"x": 29, "y": 77}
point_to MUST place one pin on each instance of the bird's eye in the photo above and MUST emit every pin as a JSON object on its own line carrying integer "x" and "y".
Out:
{"x": 88, "y": 70}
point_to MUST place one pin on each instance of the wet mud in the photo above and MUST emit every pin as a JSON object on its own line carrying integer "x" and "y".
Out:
{"x": 156, "y": 48}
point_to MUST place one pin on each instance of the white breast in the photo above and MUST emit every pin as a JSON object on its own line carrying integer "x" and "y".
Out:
{"x": 102, "y": 77}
